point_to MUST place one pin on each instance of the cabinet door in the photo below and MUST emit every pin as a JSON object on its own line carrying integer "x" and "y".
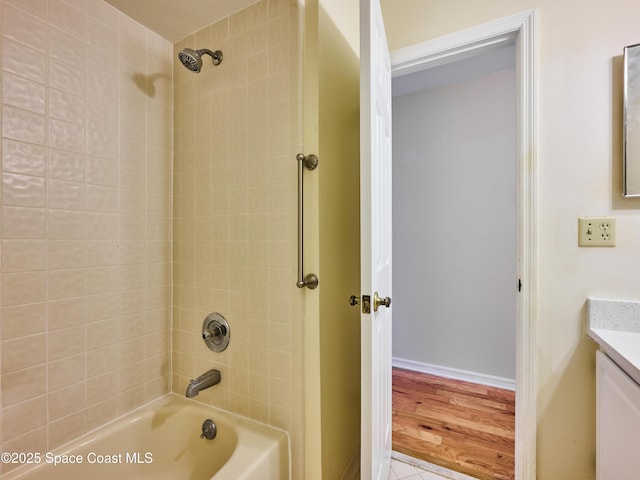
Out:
{"x": 618, "y": 422}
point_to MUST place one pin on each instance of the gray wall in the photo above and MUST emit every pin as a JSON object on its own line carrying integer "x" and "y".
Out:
{"x": 454, "y": 215}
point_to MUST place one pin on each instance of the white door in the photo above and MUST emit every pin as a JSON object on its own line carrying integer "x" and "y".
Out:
{"x": 375, "y": 239}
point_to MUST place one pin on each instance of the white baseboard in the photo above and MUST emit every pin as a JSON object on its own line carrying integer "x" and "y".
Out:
{"x": 447, "y": 372}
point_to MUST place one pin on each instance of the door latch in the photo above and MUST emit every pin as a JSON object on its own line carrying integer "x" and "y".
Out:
{"x": 366, "y": 302}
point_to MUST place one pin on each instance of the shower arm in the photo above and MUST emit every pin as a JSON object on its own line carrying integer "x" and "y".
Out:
{"x": 216, "y": 57}
{"x": 310, "y": 162}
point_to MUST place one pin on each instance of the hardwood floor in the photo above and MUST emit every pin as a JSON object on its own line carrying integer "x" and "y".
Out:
{"x": 462, "y": 426}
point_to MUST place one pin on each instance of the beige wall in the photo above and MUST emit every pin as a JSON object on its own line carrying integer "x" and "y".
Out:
{"x": 339, "y": 197}
{"x": 579, "y": 52}
{"x": 86, "y": 161}
{"x": 235, "y": 250}
{"x": 333, "y": 327}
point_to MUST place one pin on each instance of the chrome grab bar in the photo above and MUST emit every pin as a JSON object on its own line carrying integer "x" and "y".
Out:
{"x": 310, "y": 162}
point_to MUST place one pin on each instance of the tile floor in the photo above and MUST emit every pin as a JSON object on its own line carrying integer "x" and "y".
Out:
{"x": 404, "y": 471}
{"x": 404, "y": 467}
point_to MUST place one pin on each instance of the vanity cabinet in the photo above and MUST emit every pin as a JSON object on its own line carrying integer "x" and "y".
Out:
{"x": 617, "y": 422}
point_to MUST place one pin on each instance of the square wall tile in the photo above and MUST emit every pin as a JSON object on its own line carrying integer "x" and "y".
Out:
{"x": 74, "y": 210}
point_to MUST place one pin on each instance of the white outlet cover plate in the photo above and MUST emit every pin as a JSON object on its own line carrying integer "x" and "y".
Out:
{"x": 596, "y": 231}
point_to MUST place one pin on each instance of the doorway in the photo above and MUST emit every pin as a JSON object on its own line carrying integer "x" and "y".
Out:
{"x": 514, "y": 31}
{"x": 455, "y": 261}
{"x": 454, "y": 219}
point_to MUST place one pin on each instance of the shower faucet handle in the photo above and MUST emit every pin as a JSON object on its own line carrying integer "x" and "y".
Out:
{"x": 215, "y": 332}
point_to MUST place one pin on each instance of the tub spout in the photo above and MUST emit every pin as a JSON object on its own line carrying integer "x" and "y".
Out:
{"x": 207, "y": 379}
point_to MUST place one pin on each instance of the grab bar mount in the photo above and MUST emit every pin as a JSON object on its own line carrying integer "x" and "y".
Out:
{"x": 310, "y": 161}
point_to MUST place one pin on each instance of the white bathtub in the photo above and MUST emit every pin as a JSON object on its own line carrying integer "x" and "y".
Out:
{"x": 162, "y": 441}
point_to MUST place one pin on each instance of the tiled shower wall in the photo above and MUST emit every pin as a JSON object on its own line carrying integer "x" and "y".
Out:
{"x": 86, "y": 182}
{"x": 235, "y": 216}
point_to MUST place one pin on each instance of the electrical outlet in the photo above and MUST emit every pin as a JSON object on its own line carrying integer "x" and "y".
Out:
{"x": 596, "y": 232}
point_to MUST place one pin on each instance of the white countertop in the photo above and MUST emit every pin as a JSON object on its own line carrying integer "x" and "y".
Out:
{"x": 615, "y": 326}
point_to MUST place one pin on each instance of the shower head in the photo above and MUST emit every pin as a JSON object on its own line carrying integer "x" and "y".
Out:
{"x": 192, "y": 59}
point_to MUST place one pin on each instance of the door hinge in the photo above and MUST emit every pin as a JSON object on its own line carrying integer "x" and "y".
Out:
{"x": 519, "y": 285}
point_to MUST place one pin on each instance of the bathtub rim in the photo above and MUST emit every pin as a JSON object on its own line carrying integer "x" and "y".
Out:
{"x": 166, "y": 399}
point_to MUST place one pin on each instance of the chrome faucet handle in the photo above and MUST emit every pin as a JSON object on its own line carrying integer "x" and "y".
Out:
{"x": 218, "y": 331}
{"x": 215, "y": 332}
